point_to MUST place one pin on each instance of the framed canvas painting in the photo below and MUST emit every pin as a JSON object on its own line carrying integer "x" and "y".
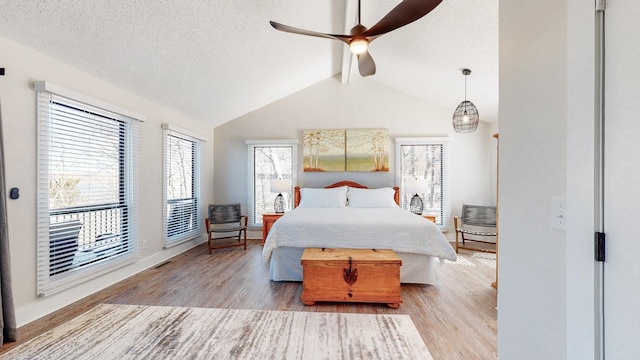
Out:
{"x": 323, "y": 150}
{"x": 367, "y": 149}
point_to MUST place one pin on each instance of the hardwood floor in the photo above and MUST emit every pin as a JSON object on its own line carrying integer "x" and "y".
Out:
{"x": 456, "y": 319}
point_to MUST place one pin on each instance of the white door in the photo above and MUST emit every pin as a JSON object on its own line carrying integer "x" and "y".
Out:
{"x": 622, "y": 180}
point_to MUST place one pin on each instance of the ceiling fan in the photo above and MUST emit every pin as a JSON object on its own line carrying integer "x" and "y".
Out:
{"x": 404, "y": 13}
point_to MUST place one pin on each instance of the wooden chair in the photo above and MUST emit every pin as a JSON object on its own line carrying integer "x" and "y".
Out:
{"x": 478, "y": 222}
{"x": 226, "y": 219}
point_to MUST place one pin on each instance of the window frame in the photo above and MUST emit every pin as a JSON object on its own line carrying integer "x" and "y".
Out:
{"x": 445, "y": 212}
{"x": 196, "y": 141}
{"x": 254, "y": 223}
{"x": 126, "y": 251}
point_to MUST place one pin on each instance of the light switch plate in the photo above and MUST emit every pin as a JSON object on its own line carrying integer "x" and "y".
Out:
{"x": 559, "y": 213}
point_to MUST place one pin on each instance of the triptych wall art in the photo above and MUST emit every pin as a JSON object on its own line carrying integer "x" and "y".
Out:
{"x": 346, "y": 150}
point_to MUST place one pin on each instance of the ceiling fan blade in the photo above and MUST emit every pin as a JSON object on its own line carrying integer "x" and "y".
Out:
{"x": 293, "y": 30}
{"x": 406, "y": 12}
{"x": 366, "y": 65}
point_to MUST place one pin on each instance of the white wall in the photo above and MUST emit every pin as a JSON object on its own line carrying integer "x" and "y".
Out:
{"x": 23, "y": 66}
{"x": 361, "y": 104}
{"x": 533, "y": 150}
{"x": 580, "y": 186}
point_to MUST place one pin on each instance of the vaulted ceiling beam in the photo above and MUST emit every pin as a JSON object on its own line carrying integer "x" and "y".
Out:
{"x": 350, "y": 19}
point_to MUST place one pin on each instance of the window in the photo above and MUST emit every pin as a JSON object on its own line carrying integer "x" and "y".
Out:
{"x": 425, "y": 159}
{"x": 87, "y": 195}
{"x": 181, "y": 221}
{"x": 269, "y": 160}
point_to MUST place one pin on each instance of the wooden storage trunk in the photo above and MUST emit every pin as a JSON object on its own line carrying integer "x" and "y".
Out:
{"x": 351, "y": 275}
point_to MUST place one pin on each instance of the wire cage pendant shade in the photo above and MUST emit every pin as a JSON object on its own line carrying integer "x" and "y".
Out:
{"x": 466, "y": 117}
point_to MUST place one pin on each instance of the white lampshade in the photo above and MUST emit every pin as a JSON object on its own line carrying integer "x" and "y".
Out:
{"x": 415, "y": 186}
{"x": 281, "y": 186}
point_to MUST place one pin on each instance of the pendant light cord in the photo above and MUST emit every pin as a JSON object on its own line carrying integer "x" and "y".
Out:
{"x": 465, "y": 87}
{"x": 466, "y": 73}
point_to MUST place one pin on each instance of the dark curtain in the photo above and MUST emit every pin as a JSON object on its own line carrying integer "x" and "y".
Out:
{"x": 8, "y": 320}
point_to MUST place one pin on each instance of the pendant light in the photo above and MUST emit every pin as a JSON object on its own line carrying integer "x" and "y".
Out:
{"x": 465, "y": 118}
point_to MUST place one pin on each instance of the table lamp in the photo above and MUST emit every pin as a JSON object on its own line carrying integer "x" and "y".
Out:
{"x": 280, "y": 186}
{"x": 416, "y": 186}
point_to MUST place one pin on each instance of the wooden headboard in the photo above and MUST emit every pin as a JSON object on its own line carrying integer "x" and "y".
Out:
{"x": 296, "y": 191}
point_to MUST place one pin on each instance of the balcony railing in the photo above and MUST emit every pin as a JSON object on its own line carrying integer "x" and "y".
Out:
{"x": 181, "y": 216}
{"x": 84, "y": 235}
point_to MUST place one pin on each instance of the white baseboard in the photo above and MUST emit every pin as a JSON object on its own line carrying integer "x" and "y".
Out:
{"x": 42, "y": 306}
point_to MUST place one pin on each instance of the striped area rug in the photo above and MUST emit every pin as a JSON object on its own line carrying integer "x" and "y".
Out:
{"x": 155, "y": 332}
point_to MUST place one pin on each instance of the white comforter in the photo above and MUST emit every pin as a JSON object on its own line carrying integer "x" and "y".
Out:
{"x": 358, "y": 228}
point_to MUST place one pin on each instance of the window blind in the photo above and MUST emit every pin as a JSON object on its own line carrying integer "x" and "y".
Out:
{"x": 269, "y": 160}
{"x": 87, "y": 191}
{"x": 182, "y": 220}
{"x": 425, "y": 159}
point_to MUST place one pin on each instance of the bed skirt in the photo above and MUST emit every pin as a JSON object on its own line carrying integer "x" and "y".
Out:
{"x": 416, "y": 268}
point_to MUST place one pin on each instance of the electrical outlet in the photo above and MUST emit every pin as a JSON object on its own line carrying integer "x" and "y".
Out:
{"x": 144, "y": 244}
{"x": 559, "y": 213}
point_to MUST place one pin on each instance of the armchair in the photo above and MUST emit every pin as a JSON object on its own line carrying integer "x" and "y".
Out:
{"x": 226, "y": 219}
{"x": 478, "y": 223}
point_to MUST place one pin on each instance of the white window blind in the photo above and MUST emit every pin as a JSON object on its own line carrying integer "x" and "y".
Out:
{"x": 269, "y": 160}
{"x": 425, "y": 159}
{"x": 87, "y": 189}
{"x": 182, "y": 152}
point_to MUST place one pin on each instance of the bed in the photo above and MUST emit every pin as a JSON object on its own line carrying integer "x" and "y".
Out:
{"x": 349, "y": 215}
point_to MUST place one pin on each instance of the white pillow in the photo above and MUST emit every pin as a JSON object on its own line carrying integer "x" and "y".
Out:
{"x": 371, "y": 198}
{"x": 324, "y": 198}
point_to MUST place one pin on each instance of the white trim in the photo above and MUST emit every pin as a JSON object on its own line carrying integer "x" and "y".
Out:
{"x": 174, "y": 131}
{"x": 191, "y": 134}
{"x": 251, "y": 145}
{"x": 59, "y": 90}
{"x": 444, "y": 141}
{"x": 46, "y": 283}
{"x": 43, "y": 306}
{"x": 423, "y": 140}
{"x": 272, "y": 142}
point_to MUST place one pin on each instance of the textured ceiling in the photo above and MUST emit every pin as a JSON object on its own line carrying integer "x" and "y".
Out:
{"x": 217, "y": 60}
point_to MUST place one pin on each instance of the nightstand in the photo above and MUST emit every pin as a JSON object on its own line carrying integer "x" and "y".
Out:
{"x": 430, "y": 217}
{"x": 267, "y": 221}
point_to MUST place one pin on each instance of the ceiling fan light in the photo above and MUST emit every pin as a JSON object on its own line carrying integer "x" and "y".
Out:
{"x": 359, "y": 46}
